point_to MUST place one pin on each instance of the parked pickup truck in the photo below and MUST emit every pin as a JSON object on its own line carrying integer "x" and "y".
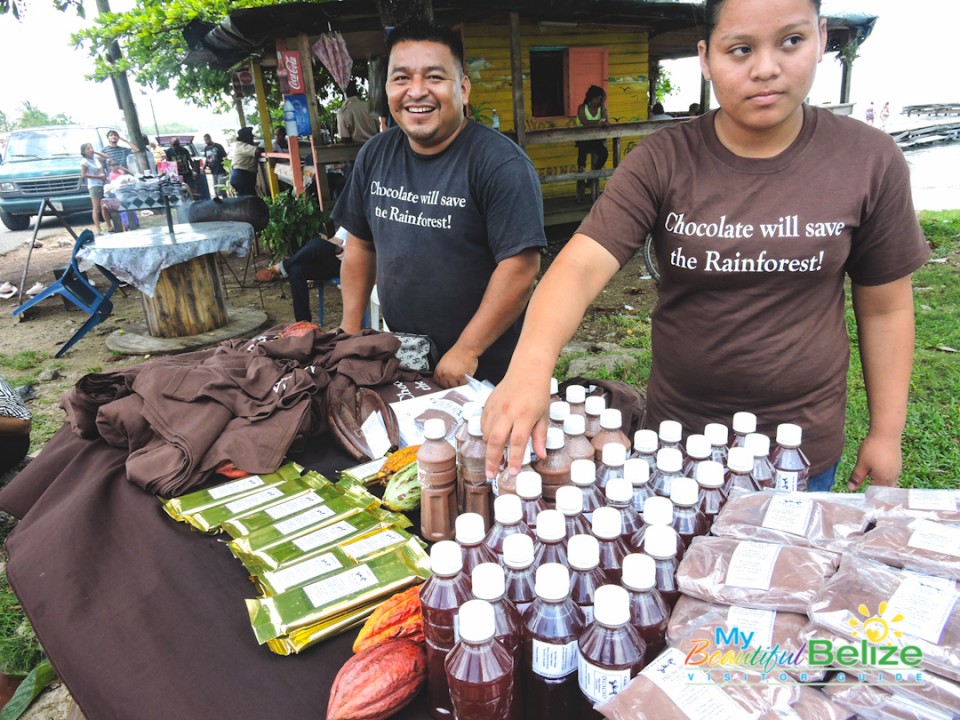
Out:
{"x": 44, "y": 162}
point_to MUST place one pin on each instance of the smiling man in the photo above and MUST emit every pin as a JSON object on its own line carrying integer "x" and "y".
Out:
{"x": 444, "y": 214}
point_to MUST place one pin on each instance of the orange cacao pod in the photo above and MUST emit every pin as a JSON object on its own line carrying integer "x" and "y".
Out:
{"x": 398, "y": 616}
{"x": 378, "y": 682}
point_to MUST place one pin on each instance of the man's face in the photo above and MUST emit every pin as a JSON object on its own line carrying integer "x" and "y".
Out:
{"x": 208, "y": 140}
{"x": 427, "y": 91}
{"x": 175, "y": 144}
{"x": 113, "y": 138}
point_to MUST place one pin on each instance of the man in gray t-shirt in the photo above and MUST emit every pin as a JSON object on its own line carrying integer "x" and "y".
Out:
{"x": 444, "y": 214}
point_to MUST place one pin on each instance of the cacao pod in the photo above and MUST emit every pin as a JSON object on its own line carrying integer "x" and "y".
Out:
{"x": 398, "y": 616}
{"x": 397, "y": 461}
{"x": 378, "y": 682}
{"x": 403, "y": 489}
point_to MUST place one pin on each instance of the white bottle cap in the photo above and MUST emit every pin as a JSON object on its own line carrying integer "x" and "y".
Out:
{"x": 551, "y": 526}
{"x": 569, "y": 500}
{"x": 740, "y": 460}
{"x": 646, "y": 441}
{"x": 583, "y": 552}
{"x": 698, "y": 447}
{"x": 658, "y": 510}
{"x": 594, "y": 405}
{"x": 583, "y": 472}
{"x": 555, "y": 438}
{"x": 488, "y": 581}
{"x": 744, "y": 423}
{"x": 576, "y": 394}
{"x": 789, "y": 435}
{"x": 684, "y": 491}
{"x": 553, "y": 582}
{"x": 473, "y": 426}
{"x": 574, "y": 425}
{"x": 507, "y": 510}
{"x": 636, "y": 471}
{"x": 469, "y": 409}
{"x": 669, "y": 460}
{"x": 716, "y": 433}
{"x": 611, "y": 419}
{"x": 607, "y": 523}
{"x": 710, "y": 474}
{"x": 434, "y": 429}
{"x": 529, "y": 484}
{"x": 518, "y": 551}
{"x": 613, "y": 454}
{"x": 469, "y": 528}
{"x": 611, "y": 606}
{"x": 477, "y": 623}
{"x": 670, "y": 431}
{"x": 660, "y": 542}
{"x": 619, "y": 491}
{"x": 559, "y": 410}
{"x": 445, "y": 558}
{"x": 639, "y": 571}
{"x": 554, "y": 386}
{"x": 758, "y": 444}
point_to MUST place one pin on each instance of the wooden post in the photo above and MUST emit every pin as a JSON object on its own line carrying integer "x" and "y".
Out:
{"x": 516, "y": 76}
{"x": 264, "y": 121}
{"x": 188, "y": 299}
{"x": 310, "y": 87}
{"x": 846, "y": 71}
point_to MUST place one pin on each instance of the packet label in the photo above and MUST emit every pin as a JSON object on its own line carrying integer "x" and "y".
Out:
{"x": 925, "y": 499}
{"x": 788, "y": 514}
{"x": 600, "y": 684}
{"x": 324, "y": 591}
{"x": 751, "y": 565}
{"x": 295, "y": 505}
{"x": 925, "y": 607}
{"x": 690, "y": 689}
{"x": 759, "y": 622}
{"x": 319, "y": 513}
{"x": 555, "y": 661}
{"x": 237, "y": 486}
{"x": 324, "y": 535}
{"x": 238, "y": 506}
{"x": 367, "y": 545}
{"x": 935, "y": 537}
{"x": 302, "y": 572}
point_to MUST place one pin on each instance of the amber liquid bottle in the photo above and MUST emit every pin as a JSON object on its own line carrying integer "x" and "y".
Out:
{"x": 489, "y": 583}
{"x": 656, "y": 511}
{"x": 460, "y": 435}
{"x": 688, "y": 520}
{"x": 763, "y": 472}
{"x": 744, "y": 423}
{"x": 583, "y": 475}
{"x": 530, "y": 492}
{"x": 712, "y": 497}
{"x": 638, "y": 473}
{"x": 669, "y": 467}
{"x": 611, "y": 466}
{"x": 740, "y": 464}
{"x": 576, "y": 397}
{"x": 645, "y": 446}
{"x": 791, "y": 467}
{"x": 619, "y": 494}
{"x": 570, "y": 503}
{"x": 717, "y": 436}
{"x": 507, "y": 520}
{"x": 559, "y": 411}
{"x": 437, "y": 460}
{"x": 670, "y": 435}
{"x": 593, "y": 406}
{"x": 698, "y": 451}
{"x": 551, "y": 544}
{"x": 606, "y": 528}
{"x": 470, "y": 534}
{"x": 576, "y": 444}
{"x": 554, "y": 469}
{"x": 611, "y": 431}
{"x": 583, "y": 557}
{"x": 649, "y": 614}
{"x": 477, "y": 492}
{"x": 518, "y": 571}
{"x": 661, "y": 543}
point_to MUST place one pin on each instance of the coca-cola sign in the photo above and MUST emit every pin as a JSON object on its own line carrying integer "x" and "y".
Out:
{"x": 290, "y": 71}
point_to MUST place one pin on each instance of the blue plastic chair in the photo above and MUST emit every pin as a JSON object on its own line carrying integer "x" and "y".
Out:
{"x": 73, "y": 286}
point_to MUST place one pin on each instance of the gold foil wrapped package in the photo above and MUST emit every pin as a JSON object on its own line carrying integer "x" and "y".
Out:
{"x": 225, "y": 492}
{"x": 365, "y": 474}
{"x": 303, "y": 638}
{"x": 283, "y": 508}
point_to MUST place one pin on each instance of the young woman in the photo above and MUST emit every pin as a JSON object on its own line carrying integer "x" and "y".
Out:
{"x": 92, "y": 172}
{"x": 759, "y": 210}
{"x": 591, "y": 113}
{"x": 244, "y": 159}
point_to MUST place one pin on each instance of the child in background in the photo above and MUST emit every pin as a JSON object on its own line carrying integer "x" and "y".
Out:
{"x": 93, "y": 173}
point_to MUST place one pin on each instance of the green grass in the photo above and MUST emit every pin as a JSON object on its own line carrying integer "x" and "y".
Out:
{"x": 19, "y": 650}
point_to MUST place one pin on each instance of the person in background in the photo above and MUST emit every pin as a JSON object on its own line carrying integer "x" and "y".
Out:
{"x": 181, "y": 156}
{"x": 280, "y": 143}
{"x": 694, "y": 109}
{"x": 158, "y": 154}
{"x": 215, "y": 155}
{"x": 246, "y": 153}
{"x": 884, "y": 115}
{"x": 16, "y": 422}
{"x": 318, "y": 260}
{"x": 114, "y": 151}
{"x": 591, "y": 113}
{"x": 869, "y": 114}
{"x": 93, "y": 173}
{"x": 355, "y": 122}
{"x": 657, "y": 113}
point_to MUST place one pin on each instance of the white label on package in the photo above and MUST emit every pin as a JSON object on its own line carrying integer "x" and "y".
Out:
{"x": 758, "y": 622}
{"x": 932, "y": 500}
{"x": 362, "y": 548}
{"x": 751, "y": 565}
{"x": 555, "y": 661}
{"x": 375, "y": 433}
{"x": 323, "y": 592}
{"x": 310, "y": 517}
{"x": 232, "y": 488}
{"x": 925, "y": 608}
{"x": 301, "y": 572}
{"x": 786, "y": 480}
{"x": 788, "y": 514}
{"x": 324, "y": 536}
{"x": 934, "y": 537}
{"x": 690, "y": 689}
{"x": 600, "y": 684}
{"x": 251, "y": 501}
{"x": 367, "y": 469}
{"x": 295, "y": 505}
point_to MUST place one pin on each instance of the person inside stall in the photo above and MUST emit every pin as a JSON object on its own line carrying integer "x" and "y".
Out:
{"x": 591, "y": 113}
{"x": 243, "y": 159}
{"x": 280, "y": 143}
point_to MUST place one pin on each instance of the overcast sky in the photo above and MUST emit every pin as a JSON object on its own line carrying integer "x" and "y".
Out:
{"x": 908, "y": 59}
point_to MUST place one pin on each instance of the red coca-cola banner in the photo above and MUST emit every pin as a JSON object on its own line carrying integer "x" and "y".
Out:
{"x": 290, "y": 72}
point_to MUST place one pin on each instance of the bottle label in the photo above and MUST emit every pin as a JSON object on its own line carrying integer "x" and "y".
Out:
{"x": 786, "y": 480}
{"x": 788, "y": 514}
{"x": 554, "y": 661}
{"x": 935, "y": 537}
{"x": 751, "y": 565}
{"x": 601, "y": 684}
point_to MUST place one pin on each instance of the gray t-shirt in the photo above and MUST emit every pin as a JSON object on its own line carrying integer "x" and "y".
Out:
{"x": 440, "y": 224}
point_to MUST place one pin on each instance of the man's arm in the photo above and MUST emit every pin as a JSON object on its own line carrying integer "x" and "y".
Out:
{"x": 885, "y": 329}
{"x": 504, "y": 299}
{"x": 358, "y": 273}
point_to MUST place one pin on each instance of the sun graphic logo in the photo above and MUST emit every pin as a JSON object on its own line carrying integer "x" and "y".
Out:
{"x": 876, "y": 628}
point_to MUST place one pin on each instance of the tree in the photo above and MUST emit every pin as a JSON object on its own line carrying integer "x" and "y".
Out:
{"x": 31, "y": 116}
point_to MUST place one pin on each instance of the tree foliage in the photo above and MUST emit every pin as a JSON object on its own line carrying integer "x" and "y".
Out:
{"x": 31, "y": 116}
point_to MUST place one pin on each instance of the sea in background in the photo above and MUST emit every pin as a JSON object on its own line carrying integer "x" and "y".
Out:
{"x": 935, "y": 176}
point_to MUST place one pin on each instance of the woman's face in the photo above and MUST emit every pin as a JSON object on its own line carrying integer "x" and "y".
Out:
{"x": 762, "y": 60}
{"x": 87, "y": 151}
{"x": 595, "y": 102}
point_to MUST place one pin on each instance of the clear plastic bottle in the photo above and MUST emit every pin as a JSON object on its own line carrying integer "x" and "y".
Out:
{"x": 470, "y": 534}
{"x": 551, "y": 626}
{"x": 649, "y": 614}
{"x": 554, "y": 389}
{"x": 594, "y": 405}
{"x": 477, "y": 492}
{"x": 576, "y": 444}
{"x": 460, "y": 435}
{"x": 551, "y": 544}
{"x": 437, "y": 461}
{"x": 645, "y": 446}
{"x": 698, "y": 451}
{"x": 570, "y": 503}
{"x": 611, "y": 431}
{"x": 518, "y": 571}
{"x": 583, "y": 474}
{"x": 619, "y": 495}
{"x": 661, "y": 542}
{"x": 763, "y": 472}
{"x": 508, "y": 520}
{"x": 559, "y": 411}
{"x": 718, "y": 437}
{"x": 790, "y": 465}
{"x": 669, "y": 467}
{"x": 638, "y": 473}
{"x": 489, "y": 584}
{"x": 712, "y": 498}
{"x": 740, "y": 465}
{"x": 479, "y": 670}
{"x": 530, "y": 491}
{"x": 505, "y": 483}
{"x": 688, "y": 519}
{"x": 554, "y": 469}
{"x": 611, "y": 651}
{"x": 576, "y": 396}
{"x": 440, "y": 599}
{"x": 611, "y": 465}
{"x": 671, "y": 435}
{"x": 656, "y": 511}
{"x": 583, "y": 556}
{"x": 606, "y": 528}
{"x": 744, "y": 423}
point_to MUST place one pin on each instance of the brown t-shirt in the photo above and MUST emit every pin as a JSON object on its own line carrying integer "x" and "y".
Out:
{"x": 752, "y": 255}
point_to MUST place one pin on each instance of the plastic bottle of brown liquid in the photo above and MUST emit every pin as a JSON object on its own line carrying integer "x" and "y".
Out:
{"x": 740, "y": 465}
{"x": 792, "y": 469}
{"x": 611, "y": 431}
{"x": 619, "y": 495}
{"x": 593, "y": 406}
{"x": 480, "y": 670}
{"x": 649, "y": 614}
{"x": 507, "y": 520}
{"x": 505, "y": 483}
{"x": 460, "y": 435}
{"x": 669, "y": 467}
{"x": 519, "y": 573}
{"x": 554, "y": 469}
{"x": 763, "y": 472}
{"x": 744, "y": 423}
{"x": 551, "y": 542}
{"x": 583, "y": 556}
{"x": 611, "y": 651}
{"x": 489, "y": 584}
{"x": 718, "y": 437}
{"x": 478, "y": 493}
{"x": 583, "y": 474}
{"x": 576, "y": 397}
{"x": 440, "y": 599}
{"x": 551, "y": 626}
{"x": 559, "y": 411}
{"x": 645, "y": 446}
{"x": 656, "y": 511}
{"x": 698, "y": 451}
{"x": 661, "y": 543}
{"x": 712, "y": 497}
{"x": 470, "y": 534}
{"x": 530, "y": 491}
{"x": 688, "y": 520}
{"x": 576, "y": 444}
{"x": 606, "y": 528}
{"x": 611, "y": 465}
{"x": 554, "y": 389}
{"x": 570, "y": 503}
{"x": 437, "y": 460}
{"x": 638, "y": 473}
{"x": 671, "y": 435}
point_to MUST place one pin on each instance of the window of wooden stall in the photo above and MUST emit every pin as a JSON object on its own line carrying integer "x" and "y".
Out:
{"x": 560, "y": 76}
